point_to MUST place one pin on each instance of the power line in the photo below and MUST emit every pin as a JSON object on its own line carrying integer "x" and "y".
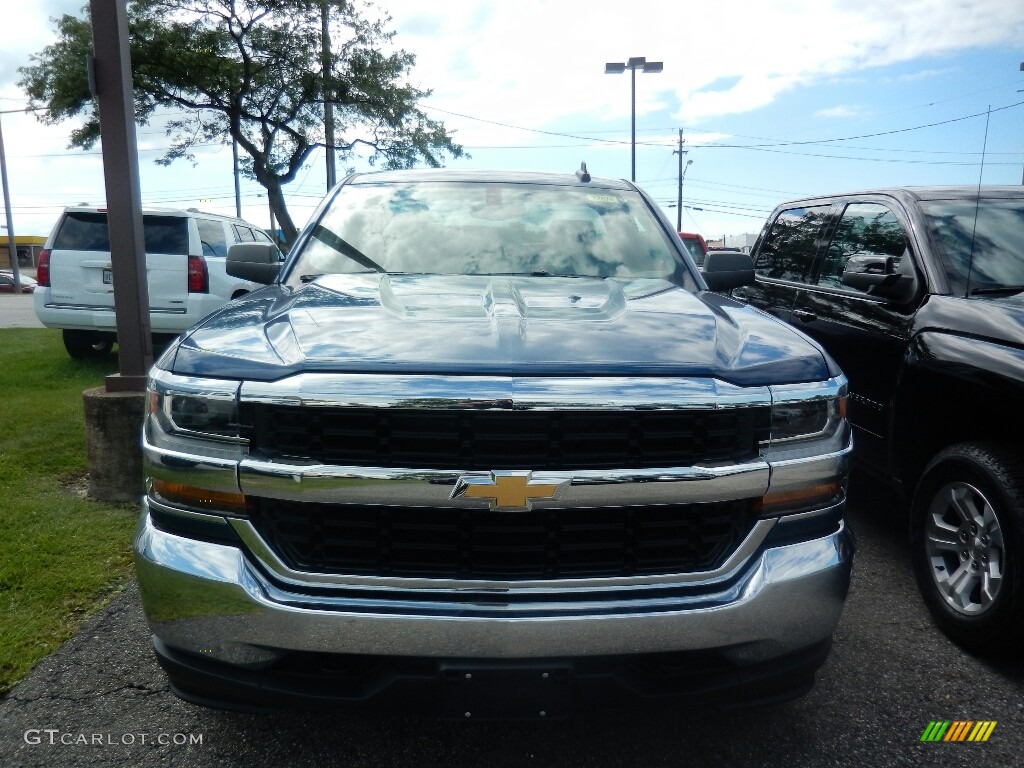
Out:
{"x": 867, "y": 159}
{"x": 593, "y": 139}
{"x": 864, "y": 135}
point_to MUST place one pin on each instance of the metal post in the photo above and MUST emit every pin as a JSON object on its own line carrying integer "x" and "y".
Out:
{"x": 124, "y": 197}
{"x": 12, "y": 245}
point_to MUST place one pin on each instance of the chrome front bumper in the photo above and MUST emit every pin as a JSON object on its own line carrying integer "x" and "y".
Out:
{"x": 213, "y": 600}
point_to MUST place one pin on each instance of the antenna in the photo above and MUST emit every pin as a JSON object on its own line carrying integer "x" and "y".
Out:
{"x": 977, "y": 200}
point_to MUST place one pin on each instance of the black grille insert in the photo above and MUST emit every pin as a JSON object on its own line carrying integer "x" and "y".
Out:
{"x": 447, "y": 543}
{"x": 496, "y": 439}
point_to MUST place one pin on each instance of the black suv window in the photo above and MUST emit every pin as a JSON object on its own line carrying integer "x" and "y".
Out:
{"x": 979, "y": 242}
{"x": 787, "y": 252}
{"x": 86, "y": 231}
{"x": 211, "y": 234}
{"x": 866, "y": 229}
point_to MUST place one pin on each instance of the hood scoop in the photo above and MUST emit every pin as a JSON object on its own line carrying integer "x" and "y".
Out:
{"x": 451, "y": 297}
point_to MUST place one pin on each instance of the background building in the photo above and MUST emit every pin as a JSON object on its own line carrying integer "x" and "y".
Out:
{"x": 28, "y": 247}
{"x": 744, "y": 242}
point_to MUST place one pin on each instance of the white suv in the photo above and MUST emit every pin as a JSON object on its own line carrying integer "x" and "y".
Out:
{"x": 185, "y": 254}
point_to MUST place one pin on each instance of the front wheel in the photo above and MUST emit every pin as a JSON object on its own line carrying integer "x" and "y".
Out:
{"x": 966, "y": 535}
{"x": 83, "y": 345}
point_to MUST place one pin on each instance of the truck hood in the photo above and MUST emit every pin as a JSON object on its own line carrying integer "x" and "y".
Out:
{"x": 998, "y": 319}
{"x": 495, "y": 325}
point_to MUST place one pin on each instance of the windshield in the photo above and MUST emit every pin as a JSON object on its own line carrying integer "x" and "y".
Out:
{"x": 488, "y": 228}
{"x": 998, "y": 243}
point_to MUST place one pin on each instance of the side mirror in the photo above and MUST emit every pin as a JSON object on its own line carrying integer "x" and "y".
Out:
{"x": 258, "y": 262}
{"x": 725, "y": 270}
{"x": 880, "y": 277}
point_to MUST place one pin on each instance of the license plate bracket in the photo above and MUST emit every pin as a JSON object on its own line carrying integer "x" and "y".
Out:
{"x": 533, "y": 692}
{"x": 108, "y": 277}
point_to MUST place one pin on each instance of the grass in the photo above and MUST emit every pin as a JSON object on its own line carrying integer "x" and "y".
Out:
{"x": 61, "y": 555}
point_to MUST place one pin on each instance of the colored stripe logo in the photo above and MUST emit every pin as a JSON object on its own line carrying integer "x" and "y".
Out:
{"x": 958, "y": 730}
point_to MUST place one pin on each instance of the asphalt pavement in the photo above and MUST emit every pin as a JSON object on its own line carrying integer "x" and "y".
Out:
{"x": 101, "y": 700}
{"x": 16, "y": 311}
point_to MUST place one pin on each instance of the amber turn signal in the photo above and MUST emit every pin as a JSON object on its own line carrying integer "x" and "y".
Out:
{"x": 202, "y": 497}
{"x": 795, "y": 499}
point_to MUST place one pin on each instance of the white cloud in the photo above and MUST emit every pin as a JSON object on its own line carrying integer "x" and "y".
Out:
{"x": 540, "y": 64}
{"x": 925, "y": 74}
{"x": 534, "y": 60}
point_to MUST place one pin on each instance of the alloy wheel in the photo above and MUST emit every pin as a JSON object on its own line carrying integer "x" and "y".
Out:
{"x": 964, "y": 547}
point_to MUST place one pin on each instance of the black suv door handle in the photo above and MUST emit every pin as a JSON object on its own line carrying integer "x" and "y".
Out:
{"x": 804, "y": 315}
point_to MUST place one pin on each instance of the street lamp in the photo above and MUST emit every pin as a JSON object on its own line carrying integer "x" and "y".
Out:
{"x": 633, "y": 64}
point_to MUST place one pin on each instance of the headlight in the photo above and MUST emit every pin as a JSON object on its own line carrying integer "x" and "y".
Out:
{"x": 808, "y": 419}
{"x": 195, "y": 407}
{"x": 808, "y": 447}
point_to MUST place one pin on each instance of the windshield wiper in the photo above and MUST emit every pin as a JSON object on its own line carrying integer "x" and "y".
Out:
{"x": 310, "y": 278}
{"x": 530, "y": 273}
{"x": 1002, "y": 290}
{"x": 331, "y": 240}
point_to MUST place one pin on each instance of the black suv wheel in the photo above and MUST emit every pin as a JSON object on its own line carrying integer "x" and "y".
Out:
{"x": 967, "y": 518}
{"x": 87, "y": 344}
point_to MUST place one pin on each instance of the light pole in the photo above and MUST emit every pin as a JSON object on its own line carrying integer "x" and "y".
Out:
{"x": 12, "y": 245}
{"x": 633, "y": 64}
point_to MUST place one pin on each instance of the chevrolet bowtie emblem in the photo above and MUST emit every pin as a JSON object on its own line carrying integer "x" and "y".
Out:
{"x": 506, "y": 490}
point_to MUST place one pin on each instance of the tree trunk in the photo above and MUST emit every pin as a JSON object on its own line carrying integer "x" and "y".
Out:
{"x": 280, "y": 209}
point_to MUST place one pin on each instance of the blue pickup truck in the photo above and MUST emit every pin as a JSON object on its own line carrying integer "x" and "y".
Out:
{"x": 486, "y": 445}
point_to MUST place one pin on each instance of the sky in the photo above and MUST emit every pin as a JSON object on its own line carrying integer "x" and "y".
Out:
{"x": 777, "y": 99}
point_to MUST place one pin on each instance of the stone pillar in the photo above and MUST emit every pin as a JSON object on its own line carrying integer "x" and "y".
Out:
{"x": 113, "y": 443}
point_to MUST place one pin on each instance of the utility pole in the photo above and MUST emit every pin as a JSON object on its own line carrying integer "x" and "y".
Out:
{"x": 325, "y": 52}
{"x": 12, "y": 246}
{"x": 679, "y": 197}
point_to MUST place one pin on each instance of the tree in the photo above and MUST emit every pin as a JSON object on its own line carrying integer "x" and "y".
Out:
{"x": 251, "y": 71}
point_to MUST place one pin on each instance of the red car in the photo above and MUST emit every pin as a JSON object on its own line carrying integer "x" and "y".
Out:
{"x": 7, "y": 282}
{"x": 696, "y": 246}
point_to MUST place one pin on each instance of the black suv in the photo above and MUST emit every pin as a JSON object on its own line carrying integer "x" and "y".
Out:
{"x": 918, "y": 294}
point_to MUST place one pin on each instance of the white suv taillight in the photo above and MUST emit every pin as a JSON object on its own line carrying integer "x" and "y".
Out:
{"x": 43, "y": 269}
{"x": 198, "y": 276}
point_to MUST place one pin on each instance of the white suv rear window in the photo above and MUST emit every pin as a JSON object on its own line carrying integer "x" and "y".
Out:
{"x": 86, "y": 231}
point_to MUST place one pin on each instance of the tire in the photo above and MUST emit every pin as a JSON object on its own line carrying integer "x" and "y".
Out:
{"x": 967, "y": 538}
{"x": 87, "y": 345}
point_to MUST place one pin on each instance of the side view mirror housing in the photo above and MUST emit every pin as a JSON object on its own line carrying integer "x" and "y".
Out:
{"x": 725, "y": 270}
{"x": 880, "y": 276}
{"x": 257, "y": 262}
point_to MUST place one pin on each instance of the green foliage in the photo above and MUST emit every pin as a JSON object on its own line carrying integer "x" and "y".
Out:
{"x": 60, "y": 553}
{"x": 252, "y": 71}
